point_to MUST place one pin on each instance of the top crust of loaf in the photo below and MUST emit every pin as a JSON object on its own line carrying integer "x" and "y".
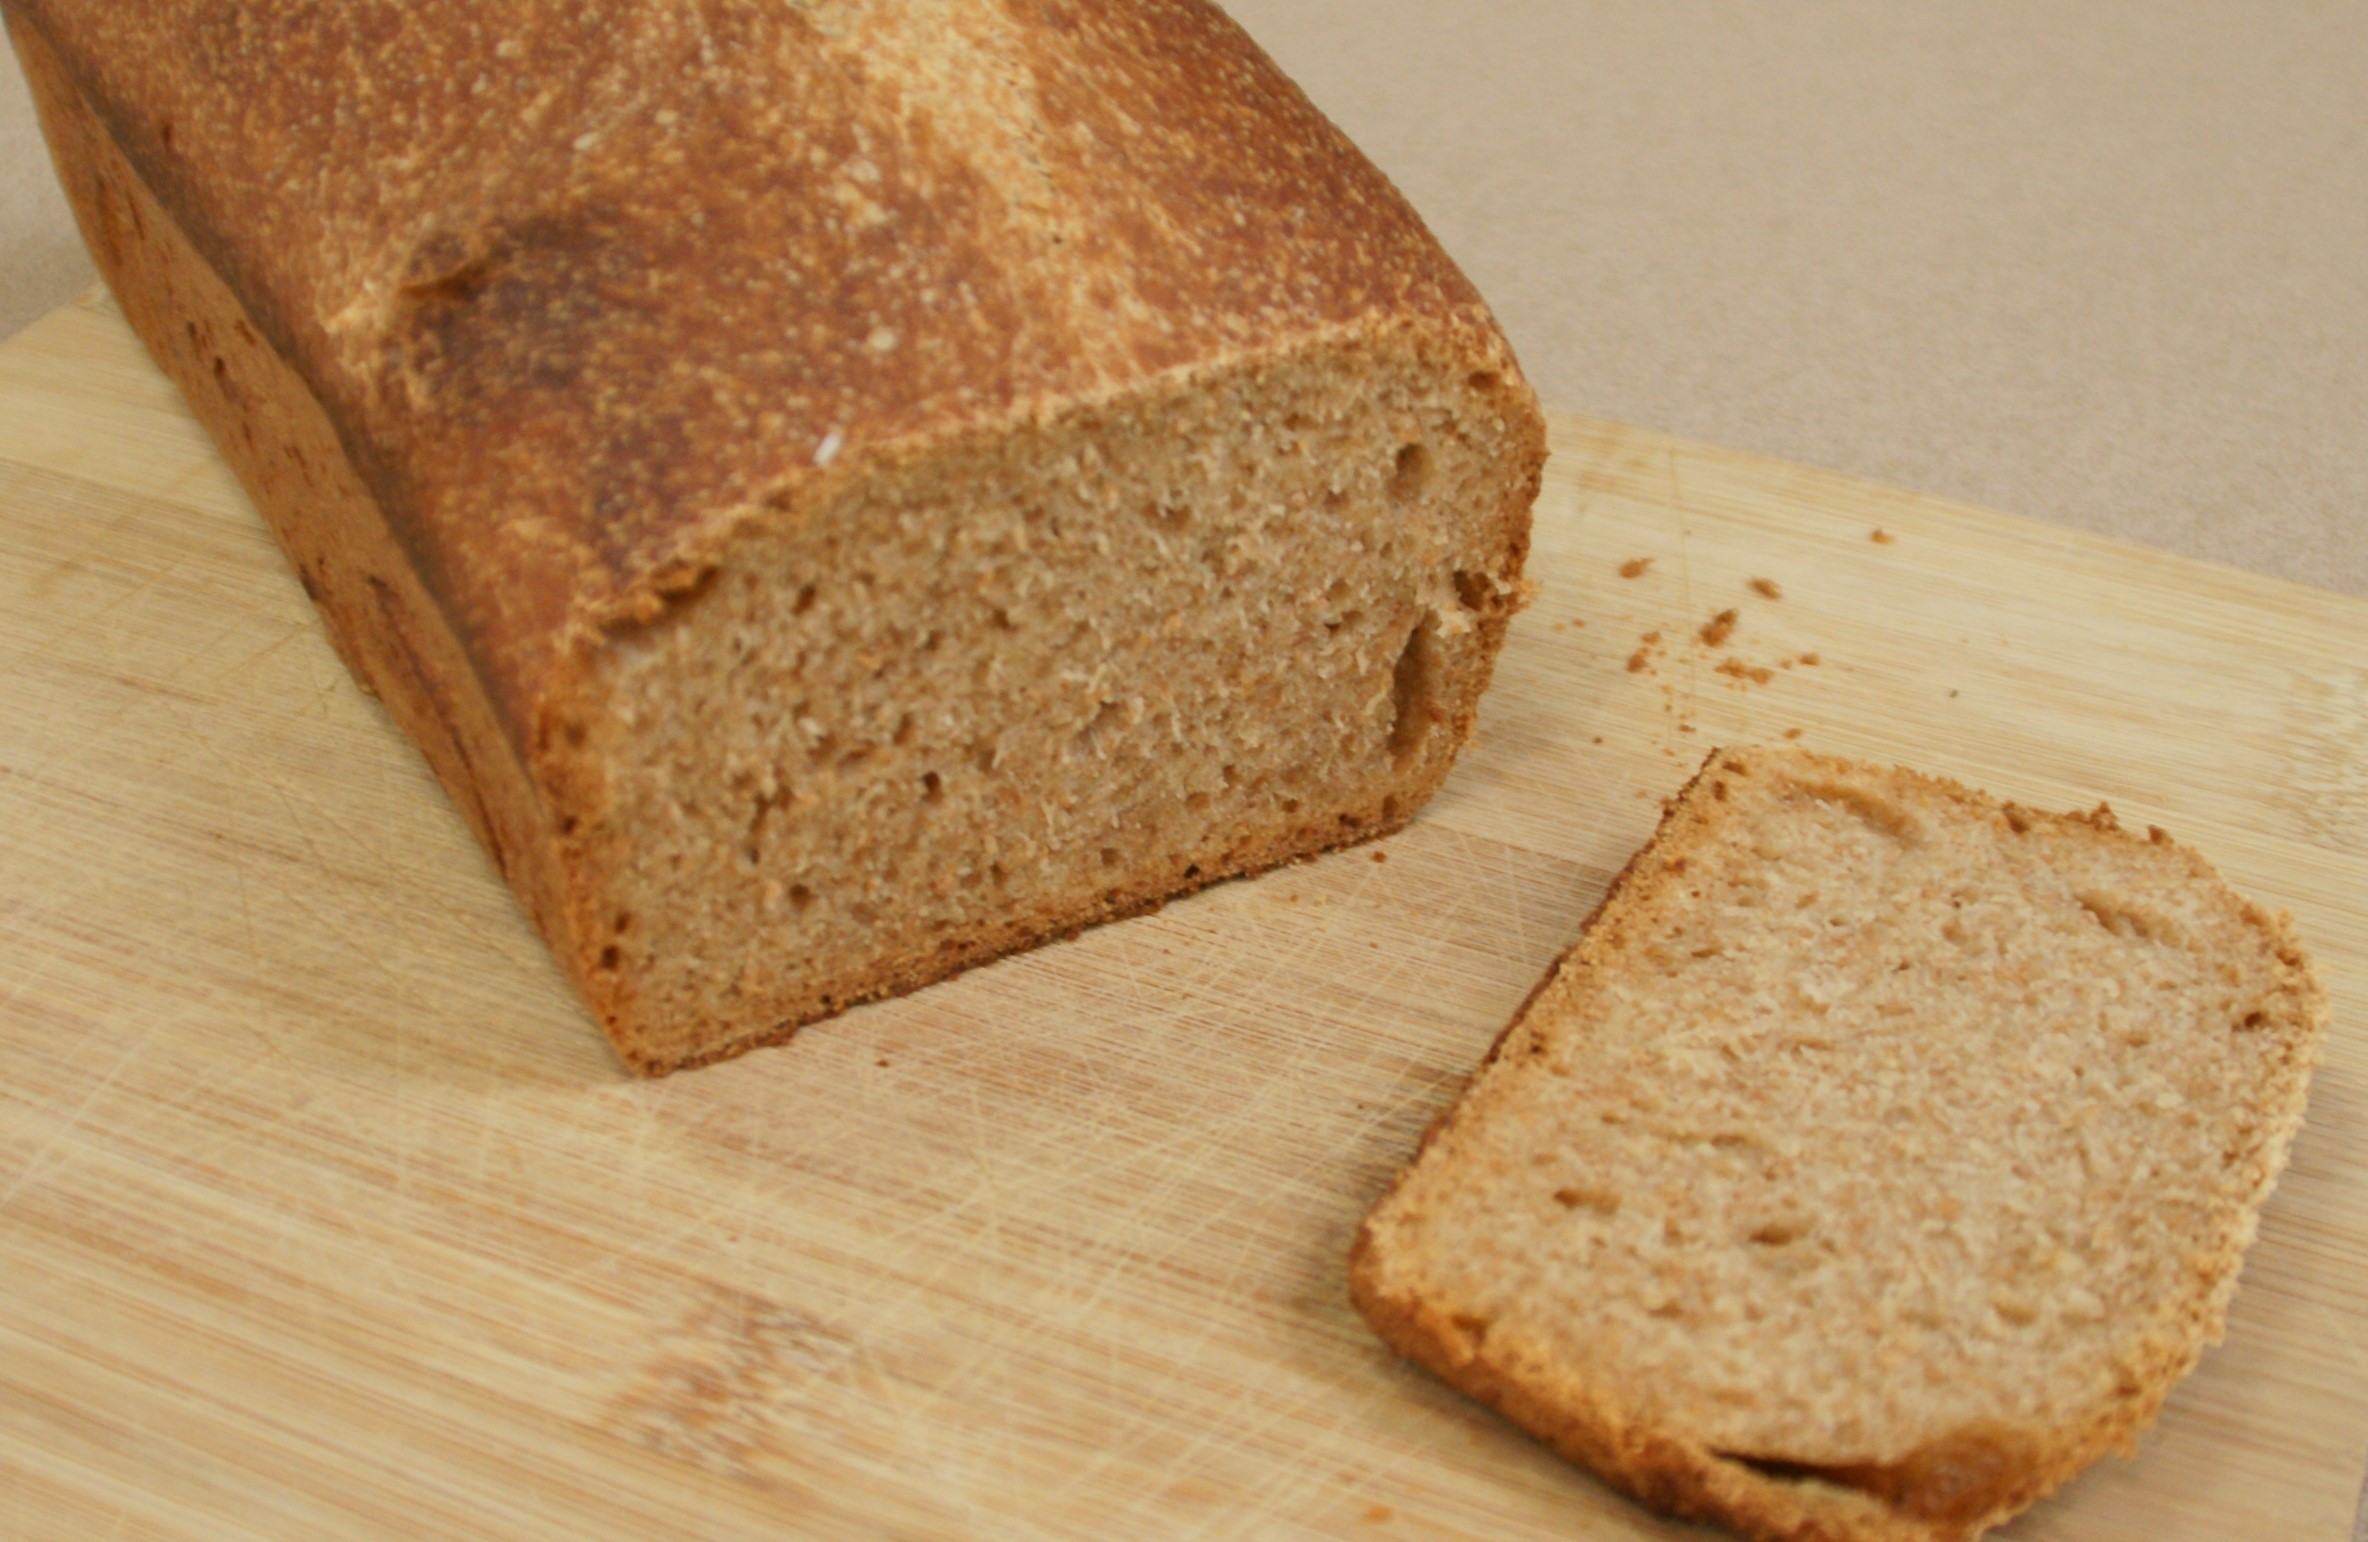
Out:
{"x": 582, "y": 285}
{"x": 1457, "y": 1270}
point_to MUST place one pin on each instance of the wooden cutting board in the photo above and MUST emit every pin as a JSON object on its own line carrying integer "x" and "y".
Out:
{"x": 324, "y": 1211}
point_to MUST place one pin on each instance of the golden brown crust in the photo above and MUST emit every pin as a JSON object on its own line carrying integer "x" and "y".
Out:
{"x": 1944, "y": 1495}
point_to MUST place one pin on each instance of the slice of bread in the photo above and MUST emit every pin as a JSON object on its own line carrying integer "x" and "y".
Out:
{"x": 1881, "y": 1154}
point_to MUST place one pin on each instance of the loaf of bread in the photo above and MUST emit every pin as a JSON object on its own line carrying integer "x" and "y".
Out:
{"x": 839, "y": 491}
{"x": 1879, "y": 1156}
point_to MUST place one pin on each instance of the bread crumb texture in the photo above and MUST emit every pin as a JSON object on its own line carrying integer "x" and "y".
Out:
{"x": 1880, "y": 1155}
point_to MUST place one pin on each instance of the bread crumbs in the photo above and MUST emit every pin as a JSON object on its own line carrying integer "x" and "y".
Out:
{"x": 1719, "y": 629}
{"x": 1767, "y": 589}
{"x": 1882, "y": 538}
{"x": 1637, "y": 662}
{"x": 1636, "y": 567}
{"x": 1742, "y": 671}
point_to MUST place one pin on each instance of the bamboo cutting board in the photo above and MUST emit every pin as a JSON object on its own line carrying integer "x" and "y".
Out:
{"x": 324, "y": 1212}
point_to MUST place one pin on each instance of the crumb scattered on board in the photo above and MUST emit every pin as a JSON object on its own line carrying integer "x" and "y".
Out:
{"x": 1755, "y": 673}
{"x": 1767, "y": 588}
{"x": 1719, "y": 628}
{"x": 1378, "y": 1513}
{"x": 1637, "y": 661}
{"x": 1636, "y": 567}
{"x": 1792, "y": 733}
{"x": 1381, "y": 856}
{"x": 1882, "y": 538}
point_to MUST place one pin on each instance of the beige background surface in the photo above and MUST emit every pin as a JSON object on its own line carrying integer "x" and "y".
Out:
{"x": 2101, "y": 264}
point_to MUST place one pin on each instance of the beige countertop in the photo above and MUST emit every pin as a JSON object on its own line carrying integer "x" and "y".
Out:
{"x": 2106, "y": 265}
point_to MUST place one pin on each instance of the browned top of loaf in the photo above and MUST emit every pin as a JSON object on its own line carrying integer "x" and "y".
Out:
{"x": 578, "y": 280}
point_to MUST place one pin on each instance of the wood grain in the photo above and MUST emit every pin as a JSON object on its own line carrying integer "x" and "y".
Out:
{"x": 324, "y": 1212}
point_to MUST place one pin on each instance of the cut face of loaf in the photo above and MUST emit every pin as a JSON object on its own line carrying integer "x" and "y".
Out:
{"x": 1880, "y": 1156}
{"x": 837, "y": 491}
{"x": 958, "y": 703}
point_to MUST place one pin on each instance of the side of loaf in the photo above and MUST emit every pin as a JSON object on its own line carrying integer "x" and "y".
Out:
{"x": 838, "y": 492}
{"x": 1880, "y": 1156}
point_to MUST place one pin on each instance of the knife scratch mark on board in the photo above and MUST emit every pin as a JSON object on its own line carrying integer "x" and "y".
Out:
{"x": 39, "y": 1159}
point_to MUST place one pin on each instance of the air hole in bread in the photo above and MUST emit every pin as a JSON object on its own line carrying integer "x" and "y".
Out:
{"x": 1780, "y": 1233}
{"x": 1876, "y": 812}
{"x": 2124, "y": 919}
{"x": 1601, "y": 1201}
{"x": 1412, "y": 473}
{"x": 933, "y": 787}
{"x": 1093, "y": 738}
{"x": 1413, "y": 686}
{"x": 800, "y": 897}
{"x": 1474, "y": 589}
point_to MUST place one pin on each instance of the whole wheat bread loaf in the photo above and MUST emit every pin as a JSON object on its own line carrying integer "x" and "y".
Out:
{"x": 838, "y": 490}
{"x": 1879, "y": 1157}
